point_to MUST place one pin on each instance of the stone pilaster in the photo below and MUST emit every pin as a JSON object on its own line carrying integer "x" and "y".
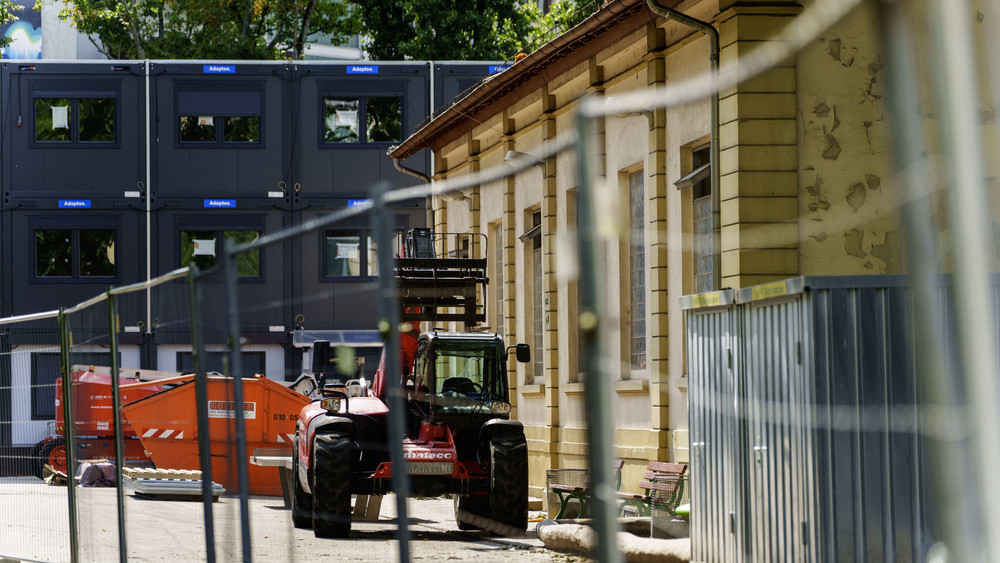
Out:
{"x": 759, "y": 156}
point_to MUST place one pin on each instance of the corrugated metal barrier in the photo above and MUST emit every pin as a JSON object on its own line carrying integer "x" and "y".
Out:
{"x": 804, "y": 422}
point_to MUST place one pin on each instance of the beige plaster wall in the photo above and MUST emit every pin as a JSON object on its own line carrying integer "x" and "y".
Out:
{"x": 849, "y": 221}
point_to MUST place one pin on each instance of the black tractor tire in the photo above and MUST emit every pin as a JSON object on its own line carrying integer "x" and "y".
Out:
{"x": 331, "y": 486}
{"x": 35, "y": 460}
{"x": 302, "y": 504}
{"x": 509, "y": 484}
{"x": 472, "y": 511}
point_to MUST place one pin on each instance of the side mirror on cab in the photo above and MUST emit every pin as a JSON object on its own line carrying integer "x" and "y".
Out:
{"x": 523, "y": 353}
{"x": 321, "y": 357}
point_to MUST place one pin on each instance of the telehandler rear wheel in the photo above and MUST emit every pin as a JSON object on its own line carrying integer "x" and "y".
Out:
{"x": 331, "y": 486}
{"x": 509, "y": 483}
{"x": 472, "y": 512}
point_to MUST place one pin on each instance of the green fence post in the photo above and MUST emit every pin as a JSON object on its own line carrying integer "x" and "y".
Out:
{"x": 388, "y": 325}
{"x": 201, "y": 397}
{"x": 229, "y": 271}
{"x": 597, "y": 388}
{"x": 116, "y": 409}
{"x": 65, "y": 341}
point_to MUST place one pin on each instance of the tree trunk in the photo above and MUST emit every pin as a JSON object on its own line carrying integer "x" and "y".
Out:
{"x": 300, "y": 41}
{"x": 139, "y": 51}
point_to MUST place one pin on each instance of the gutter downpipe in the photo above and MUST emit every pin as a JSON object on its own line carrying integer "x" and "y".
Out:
{"x": 416, "y": 174}
{"x": 713, "y": 59}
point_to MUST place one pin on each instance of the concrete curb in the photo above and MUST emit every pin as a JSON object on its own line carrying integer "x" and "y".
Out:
{"x": 580, "y": 539}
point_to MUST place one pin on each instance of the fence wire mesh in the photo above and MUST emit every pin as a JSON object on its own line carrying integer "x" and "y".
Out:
{"x": 28, "y": 372}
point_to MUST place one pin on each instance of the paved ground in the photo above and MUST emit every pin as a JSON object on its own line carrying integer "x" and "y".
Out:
{"x": 33, "y": 526}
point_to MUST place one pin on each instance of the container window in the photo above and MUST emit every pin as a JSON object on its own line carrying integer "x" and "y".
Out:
{"x": 343, "y": 117}
{"x": 350, "y": 253}
{"x": 97, "y": 120}
{"x": 340, "y": 120}
{"x": 201, "y": 248}
{"x": 385, "y": 119}
{"x": 74, "y": 120}
{"x": 211, "y": 113}
{"x": 75, "y": 253}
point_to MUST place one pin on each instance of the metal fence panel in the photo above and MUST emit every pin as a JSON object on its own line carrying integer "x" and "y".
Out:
{"x": 29, "y": 366}
{"x": 834, "y": 464}
{"x": 718, "y": 517}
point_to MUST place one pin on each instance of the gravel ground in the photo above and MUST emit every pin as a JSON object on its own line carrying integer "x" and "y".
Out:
{"x": 34, "y": 526}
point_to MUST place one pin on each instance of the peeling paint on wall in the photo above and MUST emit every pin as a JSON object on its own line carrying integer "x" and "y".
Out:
{"x": 890, "y": 251}
{"x": 852, "y": 243}
{"x": 837, "y": 51}
{"x": 832, "y": 151}
{"x": 856, "y": 196}
{"x": 833, "y": 47}
{"x": 873, "y": 181}
{"x": 843, "y": 145}
{"x": 816, "y": 190}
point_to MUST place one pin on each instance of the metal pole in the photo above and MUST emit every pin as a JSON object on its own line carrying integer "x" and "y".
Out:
{"x": 953, "y": 499}
{"x": 597, "y": 387}
{"x": 201, "y": 410}
{"x": 235, "y": 371}
{"x": 116, "y": 409}
{"x": 962, "y": 143}
{"x": 67, "y": 399}
{"x": 148, "y": 195}
{"x": 388, "y": 325}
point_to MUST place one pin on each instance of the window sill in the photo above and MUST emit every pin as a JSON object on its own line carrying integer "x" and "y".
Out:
{"x": 628, "y": 386}
{"x": 529, "y": 390}
{"x": 573, "y": 388}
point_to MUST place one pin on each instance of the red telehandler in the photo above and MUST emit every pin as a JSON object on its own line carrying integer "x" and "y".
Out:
{"x": 460, "y": 439}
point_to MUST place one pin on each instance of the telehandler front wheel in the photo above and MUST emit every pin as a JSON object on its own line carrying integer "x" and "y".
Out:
{"x": 331, "y": 498}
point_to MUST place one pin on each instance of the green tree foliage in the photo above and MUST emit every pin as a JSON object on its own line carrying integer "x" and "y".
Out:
{"x": 462, "y": 30}
{"x": 200, "y": 29}
{"x": 272, "y": 29}
{"x": 8, "y": 9}
{"x": 562, "y": 16}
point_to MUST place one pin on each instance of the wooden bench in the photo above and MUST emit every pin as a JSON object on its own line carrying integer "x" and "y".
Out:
{"x": 581, "y": 493}
{"x": 666, "y": 479}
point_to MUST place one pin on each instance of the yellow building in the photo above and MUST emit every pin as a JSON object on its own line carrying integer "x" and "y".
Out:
{"x": 801, "y": 177}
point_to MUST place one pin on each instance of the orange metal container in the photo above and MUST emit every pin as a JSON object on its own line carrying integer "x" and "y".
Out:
{"x": 92, "y": 402}
{"x": 167, "y": 424}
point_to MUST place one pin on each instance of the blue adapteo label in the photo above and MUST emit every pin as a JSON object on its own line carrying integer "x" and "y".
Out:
{"x": 498, "y": 68}
{"x": 74, "y": 204}
{"x": 218, "y": 69}
{"x": 362, "y": 69}
{"x": 356, "y": 202}
{"x": 220, "y": 203}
